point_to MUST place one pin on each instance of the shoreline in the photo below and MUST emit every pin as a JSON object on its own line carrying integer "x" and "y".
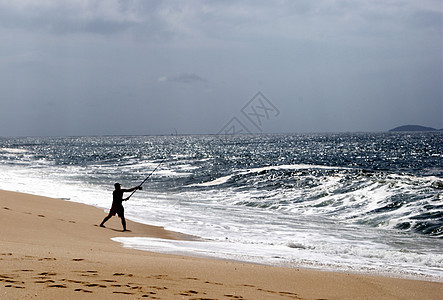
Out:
{"x": 341, "y": 270}
{"x": 54, "y": 248}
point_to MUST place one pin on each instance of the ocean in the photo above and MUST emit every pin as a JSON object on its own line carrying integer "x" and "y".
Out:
{"x": 347, "y": 202}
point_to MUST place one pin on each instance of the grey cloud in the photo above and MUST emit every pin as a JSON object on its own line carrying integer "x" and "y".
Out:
{"x": 67, "y": 17}
{"x": 187, "y": 78}
{"x": 222, "y": 20}
{"x": 103, "y": 27}
{"x": 426, "y": 19}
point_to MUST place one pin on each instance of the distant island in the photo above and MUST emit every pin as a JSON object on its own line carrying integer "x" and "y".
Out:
{"x": 413, "y": 128}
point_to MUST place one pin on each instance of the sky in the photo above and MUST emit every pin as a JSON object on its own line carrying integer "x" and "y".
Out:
{"x": 71, "y": 68}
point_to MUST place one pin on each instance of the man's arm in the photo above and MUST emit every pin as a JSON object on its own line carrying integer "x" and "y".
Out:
{"x": 131, "y": 189}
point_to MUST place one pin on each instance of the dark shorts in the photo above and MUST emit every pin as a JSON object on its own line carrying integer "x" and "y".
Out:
{"x": 117, "y": 209}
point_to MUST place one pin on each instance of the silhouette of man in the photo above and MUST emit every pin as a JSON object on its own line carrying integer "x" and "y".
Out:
{"x": 117, "y": 206}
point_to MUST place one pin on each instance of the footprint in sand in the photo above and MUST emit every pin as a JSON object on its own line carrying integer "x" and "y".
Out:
{"x": 82, "y": 290}
{"x": 12, "y": 281}
{"x": 95, "y": 285}
{"x": 47, "y": 274}
{"x": 158, "y": 287}
{"x": 125, "y": 293}
{"x": 288, "y": 294}
{"x": 158, "y": 276}
{"x": 74, "y": 281}
{"x": 189, "y": 293}
{"x": 191, "y": 278}
{"x": 234, "y": 296}
{"x": 122, "y": 274}
{"x": 45, "y": 281}
{"x": 47, "y": 258}
{"x": 88, "y": 273}
{"x": 215, "y": 283}
{"x": 15, "y": 286}
{"x": 9, "y": 279}
{"x": 62, "y": 286}
{"x": 150, "y": 293}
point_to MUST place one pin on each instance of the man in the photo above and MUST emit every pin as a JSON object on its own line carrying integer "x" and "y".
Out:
{"x": 117, "y": 206}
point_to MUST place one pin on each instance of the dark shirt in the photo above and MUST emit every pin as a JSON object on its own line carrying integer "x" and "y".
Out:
{"x": 117, "y": 197}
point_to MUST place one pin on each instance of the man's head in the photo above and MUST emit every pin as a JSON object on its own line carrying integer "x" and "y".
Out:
{"x": 117, "y": 186}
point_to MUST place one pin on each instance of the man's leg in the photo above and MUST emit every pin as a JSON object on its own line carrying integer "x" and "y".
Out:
{"x": 121, "y": 214}
{"x": 102, "y": 224}
{"x": 123, "y": 223}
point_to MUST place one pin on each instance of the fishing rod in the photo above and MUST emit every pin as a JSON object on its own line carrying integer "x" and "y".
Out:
{"x": 146, "y": 178}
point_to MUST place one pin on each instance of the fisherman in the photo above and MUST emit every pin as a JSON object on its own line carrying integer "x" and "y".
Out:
{"x": 117, "y": 206}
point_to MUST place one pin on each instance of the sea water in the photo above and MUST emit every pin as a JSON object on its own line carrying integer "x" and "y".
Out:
{"x": 354, "y": 202}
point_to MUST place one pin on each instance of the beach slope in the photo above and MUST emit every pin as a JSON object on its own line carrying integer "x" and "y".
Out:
{"x": 53, "y": 249}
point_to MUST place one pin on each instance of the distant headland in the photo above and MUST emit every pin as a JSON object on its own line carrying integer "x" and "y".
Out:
{"x": 414, "y": 128}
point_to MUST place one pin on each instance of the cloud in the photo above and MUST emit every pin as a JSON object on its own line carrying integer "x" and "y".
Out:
{"x": 186, "y": 78}
{"x": 163, "y": 79}
{"x": 65, "y": 17}
{"x": 426, "y": 19}
{"x": 194, "y": 23}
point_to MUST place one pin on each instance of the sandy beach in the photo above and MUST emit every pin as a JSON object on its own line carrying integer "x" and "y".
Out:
{"x": 54, "y": 249}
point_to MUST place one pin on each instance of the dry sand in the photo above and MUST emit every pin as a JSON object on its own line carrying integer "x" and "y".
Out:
{"x": 53, "y": 249}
